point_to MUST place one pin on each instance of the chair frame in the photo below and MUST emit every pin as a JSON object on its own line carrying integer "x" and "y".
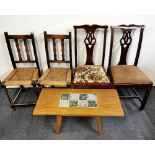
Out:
{"x": 14, "y": 101}
{"x": 90, "y": 41}
{"x": 90, "y": 30}
{"x": 61, "y": 37}
{"x": 126, "y": 30}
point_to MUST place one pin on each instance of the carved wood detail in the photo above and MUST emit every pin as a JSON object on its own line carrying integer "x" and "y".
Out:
{"x": 23, "y": 38}
{"x": 62, "y": 38}
{"x": 27, "y": 49}
{"x": 125, "y": 43}
{"x": 54, "y": 50}
{"x": 90, "y": 41}
{"x": 18, "y": 49}
{"x": 62, "y": 49}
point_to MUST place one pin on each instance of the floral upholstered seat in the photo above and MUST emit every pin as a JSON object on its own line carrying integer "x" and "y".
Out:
{"x": 90, "y": 75}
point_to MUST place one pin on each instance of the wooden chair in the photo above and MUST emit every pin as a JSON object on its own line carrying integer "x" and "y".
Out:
{"x": 123, "y": 75}
{"x": 21, "y": 76}
{"x": 90, "y": 75}
{"x": 57, "y": 76}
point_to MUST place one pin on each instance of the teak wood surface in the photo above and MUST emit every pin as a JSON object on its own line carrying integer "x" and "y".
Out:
{"x": 107, "y": 99}
{"x": 108, "y": 105}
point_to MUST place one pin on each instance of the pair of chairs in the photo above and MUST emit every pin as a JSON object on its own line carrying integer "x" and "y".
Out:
{"x": 121, "y": 75}
{"x": 84, "y": 76}
{"x": 30, "y": 76}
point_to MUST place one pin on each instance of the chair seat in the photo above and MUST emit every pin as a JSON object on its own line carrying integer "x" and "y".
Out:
{"x": 128, "y": 75}
{"x": 21, "y": 76}
{"x": 90, "y": 75}
{"x": 56, "y": 77}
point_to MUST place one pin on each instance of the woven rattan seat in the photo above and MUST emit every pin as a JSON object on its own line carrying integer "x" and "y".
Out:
{"x": 21, "y": 76}
{"x": 56, "y": 76}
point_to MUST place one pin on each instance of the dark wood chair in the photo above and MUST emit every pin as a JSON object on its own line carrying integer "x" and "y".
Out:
{"x": 90, "y": 75}
{"x": 57, "y": 76}
{"x": 128, "y": 76}
{"x": 21, "y": 76}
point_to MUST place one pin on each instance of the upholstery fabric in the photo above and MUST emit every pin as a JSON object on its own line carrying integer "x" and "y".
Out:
{"x": 90, "y": 74}
{"x": 128, "y": 74}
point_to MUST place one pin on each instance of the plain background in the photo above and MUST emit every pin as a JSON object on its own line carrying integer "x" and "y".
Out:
{"x": 80, "y": 7}
{"x": 63, "y": 24}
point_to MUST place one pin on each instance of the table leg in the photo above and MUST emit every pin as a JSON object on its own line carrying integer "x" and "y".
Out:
{"x": 58, "y": 124}
{"x": 98, "y": 124}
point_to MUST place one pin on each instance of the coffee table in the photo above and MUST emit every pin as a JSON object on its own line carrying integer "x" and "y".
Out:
{"x": 107, "y": 99}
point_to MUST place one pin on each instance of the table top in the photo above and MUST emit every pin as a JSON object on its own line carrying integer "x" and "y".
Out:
{"x": 107, "y": 100}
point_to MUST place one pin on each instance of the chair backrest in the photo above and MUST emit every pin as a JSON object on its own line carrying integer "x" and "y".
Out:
{"x": 125, "y": 42}
{"x": 20, "y": 59}
{"x": 90, "y": 41}
{"x": 55, "y": 37}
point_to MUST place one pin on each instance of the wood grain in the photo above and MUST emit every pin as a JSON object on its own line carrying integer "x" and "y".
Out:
{"x": 58, "y": 124}
{"x": 108, "y": 103}
{"x": 98, "y": 124}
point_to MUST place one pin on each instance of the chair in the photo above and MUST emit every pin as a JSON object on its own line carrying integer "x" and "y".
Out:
{"x": 57, "y": 76}
{"x": 21, "y": 76}
{"x": 128, "y": 76}
{"x": 90, "y": 75}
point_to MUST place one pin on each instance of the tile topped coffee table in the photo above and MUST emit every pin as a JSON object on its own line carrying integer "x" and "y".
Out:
{"x": 108, "y": 104}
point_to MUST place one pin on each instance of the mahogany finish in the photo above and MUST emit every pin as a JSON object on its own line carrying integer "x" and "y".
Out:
{"x": 125, "y": 43}
{"x": 90, "y": 41}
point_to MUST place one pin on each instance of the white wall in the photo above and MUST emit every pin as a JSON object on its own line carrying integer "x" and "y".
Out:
{"x": 64, "y": 24}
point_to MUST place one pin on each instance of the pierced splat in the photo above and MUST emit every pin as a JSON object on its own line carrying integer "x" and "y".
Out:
{"x": 90, "y": 41}
{"x": 125, "y": 43}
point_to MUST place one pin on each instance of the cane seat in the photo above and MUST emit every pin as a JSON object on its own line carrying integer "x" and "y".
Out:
{"x": 21, "y": 76}
{"x": 56, "y": 77}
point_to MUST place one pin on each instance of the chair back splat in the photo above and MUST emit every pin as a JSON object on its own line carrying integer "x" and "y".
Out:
{"x": 125, "y": 42}
{"x": 90, "y": 41}
{"x": 62, "y": 38}
{"x": 20, "y": 59}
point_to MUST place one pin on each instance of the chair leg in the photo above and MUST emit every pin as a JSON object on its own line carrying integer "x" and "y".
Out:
{"x": 9, "y": 98}
{"x": 23, "y": 89}
{"x": 36, "y": 89}
{"x": 148, "y": 90}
